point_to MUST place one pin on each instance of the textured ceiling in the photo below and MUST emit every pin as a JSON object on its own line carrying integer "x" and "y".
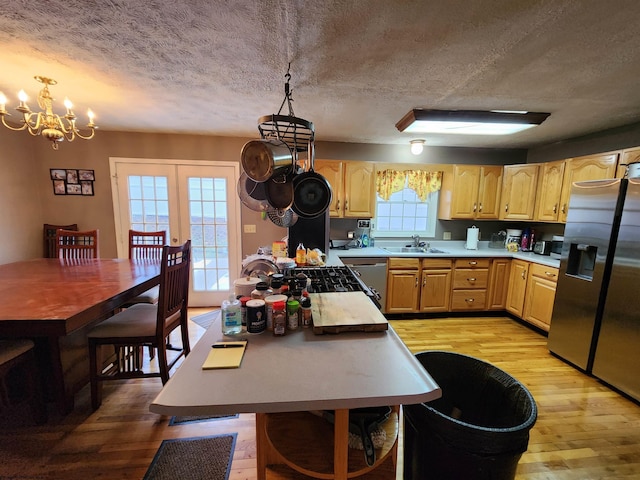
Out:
{"x": 215, "y": 67}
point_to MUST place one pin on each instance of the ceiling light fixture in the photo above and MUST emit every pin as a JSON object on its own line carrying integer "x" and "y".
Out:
{"x": 51, "y": 126}
{"x": 469, "y": 122}
{"x": 417, "y": 146}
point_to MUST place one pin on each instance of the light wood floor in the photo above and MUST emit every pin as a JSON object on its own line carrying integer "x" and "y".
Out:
{"x": 584, "y": 429}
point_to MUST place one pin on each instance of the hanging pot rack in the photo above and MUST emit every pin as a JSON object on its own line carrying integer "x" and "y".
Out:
{"x": 296, "y": 132}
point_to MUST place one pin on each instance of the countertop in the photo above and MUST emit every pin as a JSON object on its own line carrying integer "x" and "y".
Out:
{"x": 455, "y": 249}
{"x": 298, "y": 372}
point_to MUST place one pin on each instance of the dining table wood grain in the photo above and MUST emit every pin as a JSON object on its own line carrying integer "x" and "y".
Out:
{"x": 55, "y": 302}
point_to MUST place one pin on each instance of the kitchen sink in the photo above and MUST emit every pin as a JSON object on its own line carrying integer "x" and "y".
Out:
{"x": 412, "y": 250}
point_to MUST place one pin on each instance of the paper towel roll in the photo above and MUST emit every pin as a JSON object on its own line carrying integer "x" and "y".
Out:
{"x": 473, "y": 234}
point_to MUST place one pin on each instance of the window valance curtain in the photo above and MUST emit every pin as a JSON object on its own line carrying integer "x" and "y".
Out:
{"x": 422, "y": 182}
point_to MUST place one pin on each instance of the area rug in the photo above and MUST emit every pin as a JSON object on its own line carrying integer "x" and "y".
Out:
{"x": 177, "y": 420}
{"x": 197, "y": 458}
{"x": 206, "y": 319}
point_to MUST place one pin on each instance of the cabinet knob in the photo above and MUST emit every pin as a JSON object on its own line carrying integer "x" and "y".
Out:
{"x": 416, "y": 282}
{"x": 346, "y": 205}
{"x": 480, "y": 207}
{"x": 469, "y": 300}
{"x": 550, "y": 274}
{"x": 555, "y": 208}
{"x": 338, "y": 205}
{"x": 564, "y": 208}
{"x": 473, "y": 262}
{"x": 471, "y": 279}
{"x": 506, "y": 207}
{"x": 475, "y": 207}
{"x": 524, "y": 274}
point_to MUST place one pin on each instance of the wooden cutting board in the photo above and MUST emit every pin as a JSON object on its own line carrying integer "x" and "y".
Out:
{"x": 337, "y": 312}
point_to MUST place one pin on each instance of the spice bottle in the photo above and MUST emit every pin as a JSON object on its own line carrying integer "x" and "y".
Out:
{"x": 301, "y": 255}
{"x": 305, "y": 312}
{"x": 279, "y": 318}
{"x": 293, "y": 319}
{"x": 243, "y": 310}
{"x": 261, "y": 291}
{"x": 231, "y": 316}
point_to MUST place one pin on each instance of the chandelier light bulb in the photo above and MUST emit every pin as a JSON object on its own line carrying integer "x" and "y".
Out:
{"x": 67, "y": 103}
{"x": 22, "y": 96}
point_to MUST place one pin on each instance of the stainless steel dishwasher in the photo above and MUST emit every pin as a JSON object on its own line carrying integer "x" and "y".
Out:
{"x": 372, "y": 272}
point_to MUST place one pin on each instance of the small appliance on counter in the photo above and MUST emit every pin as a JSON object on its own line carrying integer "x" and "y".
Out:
{"x": 498, "y": 239}
{"x": 556, "y": 246}
{"x": 542, "y": 247}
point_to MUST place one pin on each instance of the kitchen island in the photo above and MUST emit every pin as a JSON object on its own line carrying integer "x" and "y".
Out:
{"x": 282, "y": 378}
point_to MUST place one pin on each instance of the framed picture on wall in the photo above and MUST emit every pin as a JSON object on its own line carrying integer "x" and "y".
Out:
{"x": 72, "y": 181}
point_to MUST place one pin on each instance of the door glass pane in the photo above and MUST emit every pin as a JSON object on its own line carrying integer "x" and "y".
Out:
{"x": 148, "y": 203}
{"x": 209, "y": 233}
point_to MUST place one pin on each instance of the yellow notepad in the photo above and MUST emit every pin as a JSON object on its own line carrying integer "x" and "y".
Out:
{"x": 229, "y": 355}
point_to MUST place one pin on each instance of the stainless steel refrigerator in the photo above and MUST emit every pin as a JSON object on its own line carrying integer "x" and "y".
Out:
{"x": 596, "y": 314}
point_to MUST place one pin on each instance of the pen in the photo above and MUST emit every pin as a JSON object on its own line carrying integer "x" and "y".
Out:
{"x": 227, "y": 345}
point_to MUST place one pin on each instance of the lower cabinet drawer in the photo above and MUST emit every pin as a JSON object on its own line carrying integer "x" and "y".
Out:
{"x": 468, "y": 300}
{"x": 465, "y": 278}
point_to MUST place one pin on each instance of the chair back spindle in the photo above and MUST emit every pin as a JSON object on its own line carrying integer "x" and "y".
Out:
{"x": 75, "y": 245}
{"x": 49, "y": 238}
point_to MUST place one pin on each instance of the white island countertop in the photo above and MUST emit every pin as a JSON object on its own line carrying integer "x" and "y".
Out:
{"x": 450, "y": 249}
{"x": 298, "y": 372}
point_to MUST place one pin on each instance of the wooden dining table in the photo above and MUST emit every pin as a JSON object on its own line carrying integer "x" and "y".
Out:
{"x": 56, "y": 302}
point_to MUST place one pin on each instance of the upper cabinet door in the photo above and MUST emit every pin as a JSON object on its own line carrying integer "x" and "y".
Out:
{"x": 519, "y": 192}
{"x": 549, "y": 191}
{"x": 464, "y": 201}
{"x": 489, "y": 191}
{"x": 628, "y": 155}
{"x": 581, "y": 169}
{"x": 359, "y": 189}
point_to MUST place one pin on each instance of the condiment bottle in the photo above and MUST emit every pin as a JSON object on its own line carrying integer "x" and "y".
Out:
{"x": 276, "y": 286}
{"x": 243, "y": 310}
{"x": 279, "y": 319}
{"x": 256, "y": 316}
{"x": 293, "y": 318}
{"x": 261, "y": 291}
{"x": 305, "y": 312}
{"x": 231, "y": 316}
{"x": 269, "y": 302}
{"x": 301, "y": 255}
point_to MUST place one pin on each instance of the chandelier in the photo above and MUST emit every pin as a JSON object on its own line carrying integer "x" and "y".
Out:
{"x": 51, "y": 126}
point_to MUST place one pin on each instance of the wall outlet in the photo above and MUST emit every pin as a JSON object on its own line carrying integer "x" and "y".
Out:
{"x": 249, "y": 229}
{"x": 364, "y": 223}
{"x": 446, "y": 235}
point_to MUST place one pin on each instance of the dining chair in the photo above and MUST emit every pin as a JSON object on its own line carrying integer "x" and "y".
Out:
{"x": 145, "y": 324}
{"x": 18, "y": 368}
{"x": 49, "y": 237}
{"x": 73, "y": 245}
{"x": 146, "y": 246}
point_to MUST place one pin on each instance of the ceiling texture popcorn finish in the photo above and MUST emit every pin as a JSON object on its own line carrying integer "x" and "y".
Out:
{"x": 215, "y": 67}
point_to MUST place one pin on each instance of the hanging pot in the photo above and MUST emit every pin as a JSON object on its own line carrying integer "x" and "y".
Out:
{"x": 311, "y": 191}
{"x": 261, "y": 158}
{"x": 279, "y": 189}
{"x": 252, "y": 194}
{"x": 633, "y": 170}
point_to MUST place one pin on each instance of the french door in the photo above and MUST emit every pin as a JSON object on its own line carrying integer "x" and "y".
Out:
{"x": 189, "y": 200}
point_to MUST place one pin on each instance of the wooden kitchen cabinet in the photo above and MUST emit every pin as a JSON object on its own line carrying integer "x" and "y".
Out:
{"x": 469, "y": 286}
{"x": 435, "y": 286}
{"x": 580, "y": 169}
{"x": 498, "y": 284}
{"x": 352, "y": 185}
{"x": 471, "y": 192}
{"x": 517, "y": 287}
{"x": 403, "y": 287}
{"x": 418, "y": 285}
{"x": 547, "y": 207}
{"x": 519, "y": 192}
{"x": 540, "y": 295}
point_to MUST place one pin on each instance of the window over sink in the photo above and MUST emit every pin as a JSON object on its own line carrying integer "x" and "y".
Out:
{"x": 404, "y": 214}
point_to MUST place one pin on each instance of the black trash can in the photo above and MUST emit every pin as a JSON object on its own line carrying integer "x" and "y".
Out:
{"x": 478, "y": 430}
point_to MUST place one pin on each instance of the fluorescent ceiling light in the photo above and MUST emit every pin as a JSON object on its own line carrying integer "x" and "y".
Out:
{"x": 469, "y": 122}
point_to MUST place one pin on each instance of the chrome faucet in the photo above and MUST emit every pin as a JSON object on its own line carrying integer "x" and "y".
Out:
{"x": 416, "y": 240}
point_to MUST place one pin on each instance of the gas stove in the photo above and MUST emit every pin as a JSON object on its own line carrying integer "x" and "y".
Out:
{"x": 333, "y": 279}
